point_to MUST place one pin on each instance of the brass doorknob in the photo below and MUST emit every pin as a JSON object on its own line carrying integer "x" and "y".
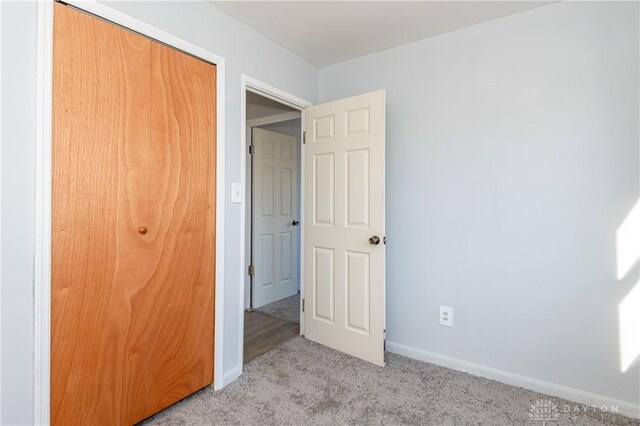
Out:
{"x": 143, "y": 230}
{"x": 374, "y": 241}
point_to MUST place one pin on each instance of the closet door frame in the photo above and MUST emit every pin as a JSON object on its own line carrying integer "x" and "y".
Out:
{"x": 44, "y": 108}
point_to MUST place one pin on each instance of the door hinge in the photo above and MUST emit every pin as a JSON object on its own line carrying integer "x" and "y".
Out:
{"x": 251, "y": 149}
{"x": 304, "y": 137}
{"x": 252, "y": 270}
{"x": 302, "y": 305}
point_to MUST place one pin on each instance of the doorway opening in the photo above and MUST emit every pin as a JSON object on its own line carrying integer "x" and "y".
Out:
{"x": 272, "y": 306}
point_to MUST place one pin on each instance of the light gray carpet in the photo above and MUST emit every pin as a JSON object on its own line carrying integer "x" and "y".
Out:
{"x": 287, "y": 309}
{"x": 302, "y": 382}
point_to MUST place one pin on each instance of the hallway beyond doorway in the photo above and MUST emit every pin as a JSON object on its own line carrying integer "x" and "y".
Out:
{"x": 263, "y": 333}
{"x": 287, "y": 309}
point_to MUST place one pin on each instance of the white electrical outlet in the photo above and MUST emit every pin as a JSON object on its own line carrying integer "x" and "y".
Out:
{"x": 446, "y": 316}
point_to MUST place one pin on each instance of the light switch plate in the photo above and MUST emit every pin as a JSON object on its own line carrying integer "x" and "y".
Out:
{"x": 236, "y": 193}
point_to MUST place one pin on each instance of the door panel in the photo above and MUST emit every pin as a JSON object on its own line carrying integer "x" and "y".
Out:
{"x": 357, "y": 294}
{"x": 133, "y": 223}
{"x": 344, "y": 273}
{"x": 323, "y": 189}
{"x": 324, "y": 284}
{"x": 275, "y": 207}
{"x": 357, "y": 186}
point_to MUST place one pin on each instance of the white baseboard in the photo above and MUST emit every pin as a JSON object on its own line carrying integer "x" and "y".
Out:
{"x": 625, "y": 408}
{"x": 231, "y": 375}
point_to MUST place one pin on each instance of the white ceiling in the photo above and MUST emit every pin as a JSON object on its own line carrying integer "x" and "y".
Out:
{"x": 328, "y": 32}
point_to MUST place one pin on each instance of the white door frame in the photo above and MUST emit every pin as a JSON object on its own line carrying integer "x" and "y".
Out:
{"x": 44, "y": 107}
{"x": 258, "y": 87}
{"x": 0, "y": 229}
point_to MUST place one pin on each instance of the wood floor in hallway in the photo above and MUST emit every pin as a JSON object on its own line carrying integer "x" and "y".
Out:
{"x": 263, "y": 333}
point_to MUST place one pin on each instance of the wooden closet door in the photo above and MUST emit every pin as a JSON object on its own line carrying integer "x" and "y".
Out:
{"x": 133, "y": 223}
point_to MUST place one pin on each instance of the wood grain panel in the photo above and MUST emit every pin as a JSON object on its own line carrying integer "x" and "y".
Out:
{"x": 133, "y": 146}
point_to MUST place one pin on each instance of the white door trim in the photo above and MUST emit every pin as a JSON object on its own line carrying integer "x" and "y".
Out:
{"x": 42, "y": 258}
{"x": 256, "y": 86}
{"x": 42, "y": 281}
{"x": 0, "y": 226}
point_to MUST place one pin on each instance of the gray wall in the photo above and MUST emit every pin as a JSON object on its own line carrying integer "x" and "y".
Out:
{"x": 245, "y": 51}
{"x": 512, "y": 159}
{"x": 18, "y": 49}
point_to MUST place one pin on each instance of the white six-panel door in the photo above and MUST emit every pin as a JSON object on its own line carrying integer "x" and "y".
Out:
{"x": 275, "y": 207}
{"x": 344, "y": 270}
